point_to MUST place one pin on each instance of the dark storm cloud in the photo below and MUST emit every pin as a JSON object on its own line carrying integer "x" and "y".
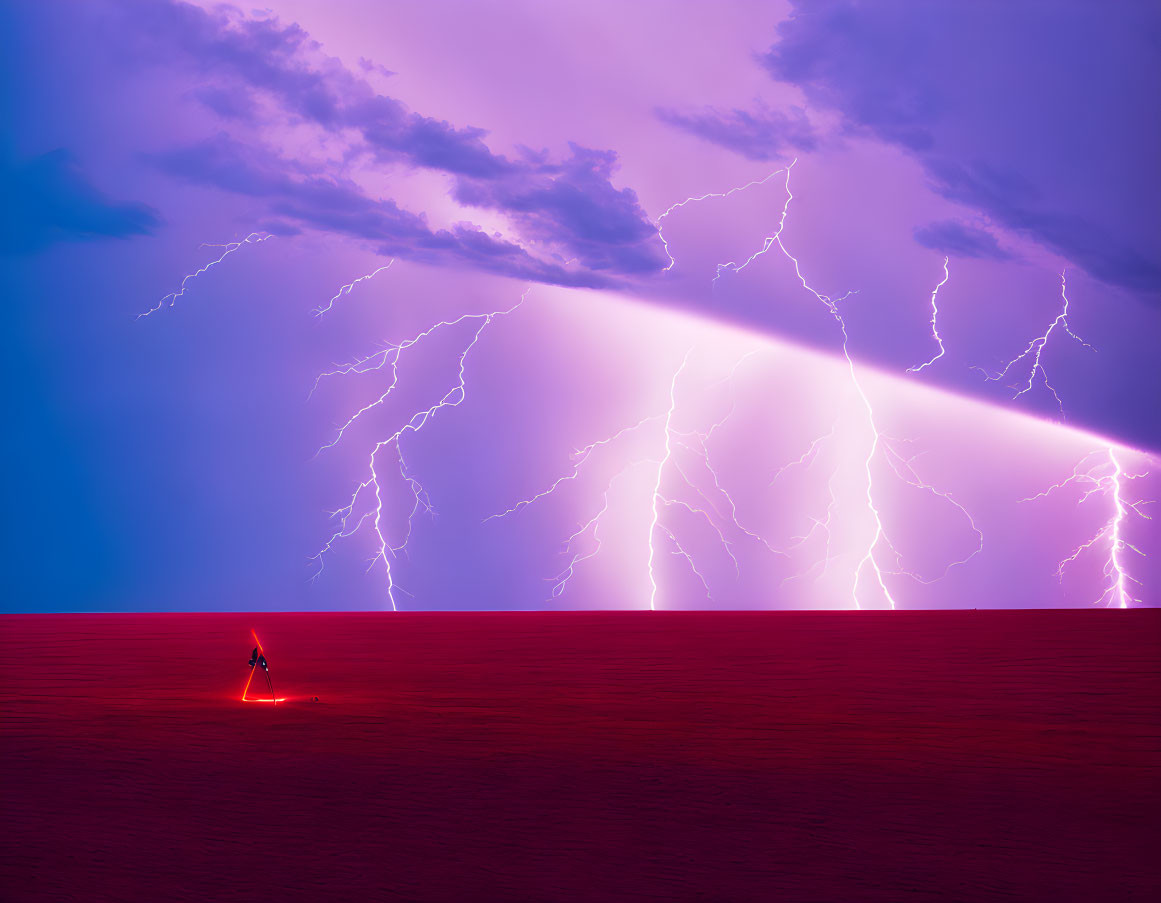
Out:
{"x": 255, "y": 53}
{"x": 960, "y": 240}
{"x": 48, "y": 200}
{"x": 1042, "y": 115}
{"x": 760, "y": 135}
{"x": 1105, "y": 254}
{"x": 391, "y": 133}
{"x": 329, "y": 204}
{"x": 575, "y": 205}
{"x": 570, "y": 207}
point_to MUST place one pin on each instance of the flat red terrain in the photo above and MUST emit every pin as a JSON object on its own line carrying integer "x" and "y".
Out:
{"x": 583, "y": 756}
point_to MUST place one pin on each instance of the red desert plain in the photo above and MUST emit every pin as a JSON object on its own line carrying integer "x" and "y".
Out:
{"x": 583, "y": 756}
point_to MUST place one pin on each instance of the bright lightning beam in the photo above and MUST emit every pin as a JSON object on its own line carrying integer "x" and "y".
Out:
{"x": 1101, "y": 473}
{"x": 831, "y": 304}
{"x": 934, "y": 323}
{"x": 657, "y": 489}
{"x": 231, "y": 247}
{"x": 1119, "y": 590}
{"x": 695, "y": 442}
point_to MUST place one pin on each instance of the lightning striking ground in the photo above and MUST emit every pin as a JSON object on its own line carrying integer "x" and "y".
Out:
{"x": 720, "y": 516}
{"x": 878, "y": 561}
{"x": 870, "y": 561}
{"x": 366, "y": 501}
{"x": 1101, "y": 473}
{"x": 657, "y": 486}
{"x": 716, "y": 506}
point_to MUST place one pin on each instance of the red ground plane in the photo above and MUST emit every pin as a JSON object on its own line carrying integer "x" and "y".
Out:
{"x": 583, "y": 756}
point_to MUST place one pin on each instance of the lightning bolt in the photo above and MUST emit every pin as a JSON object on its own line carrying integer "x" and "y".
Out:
{"x": 905, "y": 469}
{"x": 880, "y": 558}
{"x": 389, "y": 357}
{"x": 657, "y": 487}
{"x": 346, "y": 289}
{"x": 817, "y": 525}
{"x": 717, "y": 515}
{"x": 770, "y": 240}
{"x": 673, "y": 440}
{"x": 1101, "y": 473}
{"x": 869, "y": 563}
{"x": 680, "y": 551}
{"x": 869, "y": 560}
{"x": 1035, "y": 350}
{"x": 230, "y": 248}
{"x": 578, "y": 457}
{"x": 934, "y": 323}
{"x": 560, "y": 581}
{"x": 367, "y": 500}
{"x": 697, "y": 442}
{"x": 691, "y": 200}
{"x": 807, "y": 459}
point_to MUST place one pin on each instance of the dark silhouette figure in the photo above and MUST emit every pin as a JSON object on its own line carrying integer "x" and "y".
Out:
{"x": 257, "y": 658}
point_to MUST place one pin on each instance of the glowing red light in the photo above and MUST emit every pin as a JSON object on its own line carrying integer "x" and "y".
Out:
{"x": 273, "y": 700}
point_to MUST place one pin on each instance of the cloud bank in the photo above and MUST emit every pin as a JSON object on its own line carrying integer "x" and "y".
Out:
{"x": 1019, "y": 110}
{"x": 260, "y": 72}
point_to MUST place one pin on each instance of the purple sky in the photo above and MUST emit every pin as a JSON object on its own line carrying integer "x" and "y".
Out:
{"x": 832, "y": 158}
